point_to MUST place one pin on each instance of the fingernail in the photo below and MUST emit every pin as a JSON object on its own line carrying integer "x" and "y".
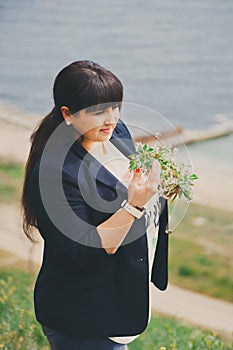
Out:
{"x": 138, "y": 170}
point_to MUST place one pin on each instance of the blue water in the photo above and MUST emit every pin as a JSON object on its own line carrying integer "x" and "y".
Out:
{"x": 173, "y": 56}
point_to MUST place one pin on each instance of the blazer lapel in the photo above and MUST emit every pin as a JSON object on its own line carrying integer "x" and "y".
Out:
{"x": 98, "y": 172}
{"x": 103, "y": 175}
{"x": 122, "y": 140}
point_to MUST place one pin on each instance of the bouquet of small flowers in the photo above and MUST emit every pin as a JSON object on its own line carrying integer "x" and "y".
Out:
{"x": 176, "y": 179}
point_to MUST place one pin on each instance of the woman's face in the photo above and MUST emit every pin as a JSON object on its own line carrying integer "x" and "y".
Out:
{"x": 96, "y": 126}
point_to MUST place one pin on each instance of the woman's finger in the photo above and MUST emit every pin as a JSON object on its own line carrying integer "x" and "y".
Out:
{"x": 137, "y": 175}
{"x": 155, "y": 171}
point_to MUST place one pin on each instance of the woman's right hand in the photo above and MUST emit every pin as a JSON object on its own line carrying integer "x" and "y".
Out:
{"x": 142, "y": 188}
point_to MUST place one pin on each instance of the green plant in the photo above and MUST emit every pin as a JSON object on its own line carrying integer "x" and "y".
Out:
{"x": 185, "y": 270}
{"x": 176, "y": 179}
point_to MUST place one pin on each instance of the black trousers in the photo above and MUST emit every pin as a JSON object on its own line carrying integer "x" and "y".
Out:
{"x": 61, "y": 341}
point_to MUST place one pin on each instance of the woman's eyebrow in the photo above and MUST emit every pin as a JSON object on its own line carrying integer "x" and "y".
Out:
{"x": 103, "y": 107}
{"x": 94, "y": 109}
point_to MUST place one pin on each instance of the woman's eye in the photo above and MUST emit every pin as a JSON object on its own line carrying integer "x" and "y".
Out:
{"x": 99, "y": 113}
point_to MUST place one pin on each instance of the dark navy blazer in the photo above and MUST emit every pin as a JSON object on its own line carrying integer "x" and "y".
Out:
{"x": 81, "y": 289}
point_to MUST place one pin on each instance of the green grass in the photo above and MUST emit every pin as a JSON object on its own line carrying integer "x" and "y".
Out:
{"x": 11, "y": 179}
{"x": 201, "y": 252}
{"x": 12, "y": 169}
{"x": 168, "y": 334}
{"x": 19, "y": 329}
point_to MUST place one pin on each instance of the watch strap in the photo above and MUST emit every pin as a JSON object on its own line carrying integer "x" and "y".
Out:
{"x": 137, "y": 213}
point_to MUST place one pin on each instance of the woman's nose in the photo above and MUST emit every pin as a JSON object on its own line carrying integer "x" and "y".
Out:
{"x": 110, "y": 116}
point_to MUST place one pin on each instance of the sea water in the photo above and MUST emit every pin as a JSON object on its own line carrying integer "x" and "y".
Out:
{"x": 172, "y": 56}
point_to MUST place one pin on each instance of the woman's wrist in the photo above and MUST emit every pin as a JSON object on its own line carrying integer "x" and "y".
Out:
{"x": 135, "y": 210}
{"x": 138, "y": 206}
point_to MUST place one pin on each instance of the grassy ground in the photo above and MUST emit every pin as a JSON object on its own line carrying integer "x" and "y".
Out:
{"x": 9, "y": 261}
{"x": 200, "y": 248}
{"x": 19, "y": 329}
{"x": 201, "y": 252}
{"x": 11, "y": 175}
{"x": 166, "y": 333}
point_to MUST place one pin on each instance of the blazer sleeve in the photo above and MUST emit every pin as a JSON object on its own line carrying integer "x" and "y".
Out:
{"x": 63, "y": 233}
{"x": 159, "y": 275}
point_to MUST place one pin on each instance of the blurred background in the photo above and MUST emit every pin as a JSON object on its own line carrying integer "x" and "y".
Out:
{"x": 173, "y": 57}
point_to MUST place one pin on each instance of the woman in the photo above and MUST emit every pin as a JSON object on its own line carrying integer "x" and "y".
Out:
{"x": 97, "y": 220}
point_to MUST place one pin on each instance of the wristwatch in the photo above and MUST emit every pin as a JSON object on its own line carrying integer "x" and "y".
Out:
{"x": 135, "y": 211}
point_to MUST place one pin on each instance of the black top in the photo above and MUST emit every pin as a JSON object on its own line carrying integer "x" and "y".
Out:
{"x": 81, "y": 289}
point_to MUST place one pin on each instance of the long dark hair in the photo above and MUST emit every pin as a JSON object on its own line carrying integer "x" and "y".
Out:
{"x": 79, "y": 85}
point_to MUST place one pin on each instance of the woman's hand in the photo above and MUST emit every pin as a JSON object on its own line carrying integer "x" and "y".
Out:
{"x": 142, "y": 188}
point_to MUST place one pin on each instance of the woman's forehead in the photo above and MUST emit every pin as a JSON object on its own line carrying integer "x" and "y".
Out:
{"x": 100, "y": 106}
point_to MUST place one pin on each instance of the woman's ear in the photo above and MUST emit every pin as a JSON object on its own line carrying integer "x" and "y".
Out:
{"x": 66, "y": 113}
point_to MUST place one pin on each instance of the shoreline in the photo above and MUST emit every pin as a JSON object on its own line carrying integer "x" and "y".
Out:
{"x": 16, "y": 127}
{"x": 213, "y": 188}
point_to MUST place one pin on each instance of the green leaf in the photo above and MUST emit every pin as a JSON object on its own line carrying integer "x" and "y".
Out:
{"x": 172, "y": 174}
{"x": 174, "y": 197}
{"x": 193, "y": 177}
{"x": 186, "y": 194}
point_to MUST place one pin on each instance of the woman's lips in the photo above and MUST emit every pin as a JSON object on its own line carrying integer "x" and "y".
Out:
{"x": 106, "y": 130}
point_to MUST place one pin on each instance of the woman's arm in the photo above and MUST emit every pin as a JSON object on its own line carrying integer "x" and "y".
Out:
{"x": 113, "y": 231}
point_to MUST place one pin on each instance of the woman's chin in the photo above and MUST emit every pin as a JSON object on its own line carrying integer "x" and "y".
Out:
{"x": 105, "y": 136}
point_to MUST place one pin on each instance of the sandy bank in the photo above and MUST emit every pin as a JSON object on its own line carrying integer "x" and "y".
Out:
{"x": 16, "y": 127}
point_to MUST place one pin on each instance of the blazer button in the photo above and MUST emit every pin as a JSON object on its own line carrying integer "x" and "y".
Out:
{"x": 140, "y": 259}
